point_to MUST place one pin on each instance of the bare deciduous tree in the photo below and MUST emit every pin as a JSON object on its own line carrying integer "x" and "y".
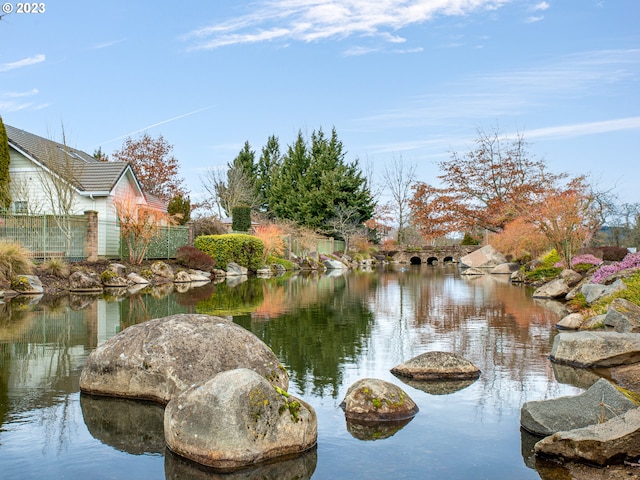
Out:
{"x": 229, "y": 189}
{"x": 398, "y": 178}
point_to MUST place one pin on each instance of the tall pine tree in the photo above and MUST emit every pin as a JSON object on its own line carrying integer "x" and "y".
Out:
{"x": 5, "y": 180}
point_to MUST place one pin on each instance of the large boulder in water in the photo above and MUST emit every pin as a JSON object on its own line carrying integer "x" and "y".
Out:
{"x": 615, "y": 440}
{"x": 238, "y": 419}
{"x": 596, "y": 349}
{"x": 485, "y": 257}
{"x": 437, "y": 366}
{"x": 373, "y": 400}
{"x": 158, "y": 359}
{"x": 599, "y": 403}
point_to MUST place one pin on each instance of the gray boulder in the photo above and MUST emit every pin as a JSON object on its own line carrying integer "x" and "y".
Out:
{"x": 137, "y": 279}
{"x": 331, "y": 264}
{"x": 615, "y": 440}
{"x": 556, "y": 288}
{"x": 485, "y": 257}
{"x": 162, "y": 270}
{"x": 623, "y": 316}
{"x": 373, "y": 400}
{"x": 601, "y": 402}
{"x": 593, "y": 323}
{"x": 27, "y": 284}
{"x": 81, "y": 281}
{"x": 264, "y": 272}
{"x": 237, "y": 419}
{"x": 472, "y": 271}
{"x": 594, "y": 291}
{"x": 518, "y": 277}
{"x": 158, "y": 359}
{"x": 571, "y": 277}
{"x": 573, "y": 321}
{"x": 181, "y": 277}
{"x": 118, "y": 269}
{"x": 505, "y": 269}
{"x": 110, "y": 278}
{"x": 234, "y": 270}
{"x": 437, "y": 366}
{"x": 596, "y": 349}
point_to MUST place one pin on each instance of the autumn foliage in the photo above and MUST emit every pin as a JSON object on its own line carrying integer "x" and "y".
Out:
{"x": 482, "y": 189}
{"x": 271, "y": 236}
{"x": 520, "y": 240}
{"x": 139, "y": 224}
{"x": 155, "y": 166}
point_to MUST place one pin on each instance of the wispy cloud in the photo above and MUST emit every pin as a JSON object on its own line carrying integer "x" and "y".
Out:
{"x": 309, "y": 21}
{"x": 25, "y": 62}
{"x": 16, "y": 101}
{"x": 107, "y": 44}
{"x": 162, "y": 122}
{"x": 590, "y": 128}
{"x": 540, "y": 7}
{"x": 514, "y": 93}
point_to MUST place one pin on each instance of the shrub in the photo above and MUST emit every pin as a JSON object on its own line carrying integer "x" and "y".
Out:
{"x": 287, "y": 264}
{"x": 630, "y": 261}
{"x": 271, "y": 236}
{"x": 56, "y": 267}
{"x": 245, "y": 250}
{"x": 191, "y": 257}
{"x": 585, "y": 259}
{"x": 14, "y": 260}
{"x": 208, "y": 226}
{"x": 614, "y": 254}
{"x": 544, "y": 273}
{"x": 241, "y": 221}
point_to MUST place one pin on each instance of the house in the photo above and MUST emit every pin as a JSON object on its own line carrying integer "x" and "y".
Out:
{"x": 48, "y": 177}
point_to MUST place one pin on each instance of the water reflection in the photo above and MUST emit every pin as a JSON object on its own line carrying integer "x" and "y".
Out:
{"x": 329, "y": 331}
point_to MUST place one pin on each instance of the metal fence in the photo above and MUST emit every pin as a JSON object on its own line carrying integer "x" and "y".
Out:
{"x": 320, "y": 245}
{"x": 46, "y": 236}
{"x": 164, "y": 244}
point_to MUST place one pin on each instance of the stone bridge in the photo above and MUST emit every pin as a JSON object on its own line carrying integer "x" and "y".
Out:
{"x": 431, "y": 255}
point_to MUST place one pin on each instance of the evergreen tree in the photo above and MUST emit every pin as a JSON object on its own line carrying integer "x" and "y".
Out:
{"x": 245, "y": 161}
{"x": 180, "y": 205}
{"x": 287, "y": 184}
{"x": 269, "y": 161}
{"x": 313, "y": 181}
{"x": 5, "y": 180}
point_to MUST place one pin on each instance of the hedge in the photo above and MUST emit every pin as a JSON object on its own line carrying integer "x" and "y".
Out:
{"x": 243, "y": 249}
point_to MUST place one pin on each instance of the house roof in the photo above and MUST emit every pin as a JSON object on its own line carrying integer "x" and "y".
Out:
{"x": 89, "y": 174}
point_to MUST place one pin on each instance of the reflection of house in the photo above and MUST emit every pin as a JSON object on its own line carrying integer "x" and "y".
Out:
{"x": 43, "y": 172}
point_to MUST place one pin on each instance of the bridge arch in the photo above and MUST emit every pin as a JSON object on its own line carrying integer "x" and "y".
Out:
{"x": 431, "y": 255}
{"x": 415, "y": 260}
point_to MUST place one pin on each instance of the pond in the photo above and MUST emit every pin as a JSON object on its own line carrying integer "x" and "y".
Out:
{"x": 328, "y": 331}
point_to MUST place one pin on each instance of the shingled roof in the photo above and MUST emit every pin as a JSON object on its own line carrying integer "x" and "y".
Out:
{"x": 90, "y": 175}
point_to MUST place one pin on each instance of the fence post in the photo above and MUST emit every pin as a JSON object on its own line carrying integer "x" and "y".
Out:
{"x": 91, "y": 250}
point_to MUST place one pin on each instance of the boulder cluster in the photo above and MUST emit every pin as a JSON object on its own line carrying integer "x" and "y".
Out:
{"x": 225, "y": 393}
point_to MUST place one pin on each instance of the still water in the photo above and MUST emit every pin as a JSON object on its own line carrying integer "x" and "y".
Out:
{"x": 328, "y": 331}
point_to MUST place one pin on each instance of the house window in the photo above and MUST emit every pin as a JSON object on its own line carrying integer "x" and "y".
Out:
{"x": 20, "y": 207}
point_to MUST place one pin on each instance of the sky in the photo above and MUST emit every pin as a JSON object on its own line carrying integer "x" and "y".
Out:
{"x": 410, "y": 80}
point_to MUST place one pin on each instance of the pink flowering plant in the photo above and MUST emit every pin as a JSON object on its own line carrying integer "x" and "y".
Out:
{"x": 630, "y": 262}
{"x": 585, "y": 262}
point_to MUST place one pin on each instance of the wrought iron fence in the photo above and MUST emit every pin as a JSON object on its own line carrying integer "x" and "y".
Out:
{"x": 46, "y": 236}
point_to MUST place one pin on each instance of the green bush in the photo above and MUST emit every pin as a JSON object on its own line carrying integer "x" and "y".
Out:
{"x": 241, "y": 219}
{"x": 272, "y": 259}
{"x": 544, "y": 273}
{"x": 243, "y": 249}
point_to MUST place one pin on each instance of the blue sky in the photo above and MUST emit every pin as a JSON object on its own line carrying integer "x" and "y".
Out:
{"x": 410, "y": 79}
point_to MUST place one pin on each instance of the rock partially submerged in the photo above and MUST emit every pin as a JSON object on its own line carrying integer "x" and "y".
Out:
{"x": 238, "y": 419}
{"x": 596, "y": 349}
{"x": 373, "y": 400}
{"x": 556, "y": 288}
{"x": 485, "y": 257}
{"x": 158, "y": 359}
{"x": 601, "y": 402}
{"x": 437, "y": 366}
{"x": 614, "y": 441}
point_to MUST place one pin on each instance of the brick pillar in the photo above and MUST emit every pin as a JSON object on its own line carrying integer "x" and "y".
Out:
{"x": 91, "y": 249}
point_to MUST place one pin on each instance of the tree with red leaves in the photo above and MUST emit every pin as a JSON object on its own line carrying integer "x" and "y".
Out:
{"x": 154, "y": 165}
